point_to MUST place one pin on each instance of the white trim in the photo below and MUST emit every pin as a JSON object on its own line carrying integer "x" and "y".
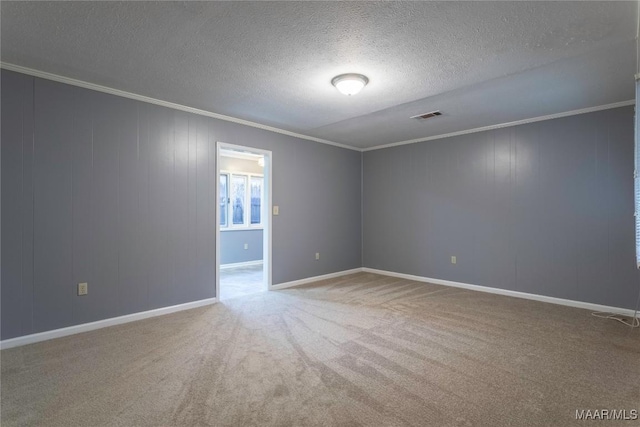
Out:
{"x": 267, "y": 233}
{"x": 267, "y": 220}
{"x": 508, "y": 124}
{"x": 516, "y": 294}
{"x": 86, "y": 327}
{"x": 241, "y": 264}
{"x": 216, "y": 193}
{"x": 316, "y": 278}
{"x": 91, "y": 326}
{"x": 147, "y": 99}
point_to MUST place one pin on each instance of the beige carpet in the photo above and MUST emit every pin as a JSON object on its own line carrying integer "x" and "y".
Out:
{"x": 359, "y": 350}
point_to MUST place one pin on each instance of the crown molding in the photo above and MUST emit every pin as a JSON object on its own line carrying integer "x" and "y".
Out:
{"x": 149, "y": 100}
{"x": 142, "y": 98}
{"x": 508, "y": 124}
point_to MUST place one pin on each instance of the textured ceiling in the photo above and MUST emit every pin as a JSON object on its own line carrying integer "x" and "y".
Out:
{"x": 481, "y": 63}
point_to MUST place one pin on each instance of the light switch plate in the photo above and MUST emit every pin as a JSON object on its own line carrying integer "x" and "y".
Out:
{"x": 276, "y": 210}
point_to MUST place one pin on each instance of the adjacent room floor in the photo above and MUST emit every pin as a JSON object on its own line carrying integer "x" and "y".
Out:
{"x": 357, "y": 350}
{"x": 239, "y": 281}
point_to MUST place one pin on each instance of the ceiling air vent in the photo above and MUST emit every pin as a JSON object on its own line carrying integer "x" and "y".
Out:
{"x": 426, "y": 115}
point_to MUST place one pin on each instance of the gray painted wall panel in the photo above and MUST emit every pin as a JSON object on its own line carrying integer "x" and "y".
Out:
{"x": 132, "y": 291}
{"x": 28, "y": 157}
{"x": 543, "y": 208}
{"x": 104, "y": 286}
{"x": 205, "y": 218}
{"x": 179, "y": 213}
{"x": 53, "y": 258}
{"x": 124, "y": 197}
{"x": 210, "y": 223}
{"x": 14, "y": 200}
{"x": 82, "y": 187}
{"x": 190, "y": 267}
{"x": 527, "y": 204}
{"x": 142, "y": 225}
{"x": 621, "y": 208}
{"x": 160, "y": 192}
{"x": 232, "y": 246}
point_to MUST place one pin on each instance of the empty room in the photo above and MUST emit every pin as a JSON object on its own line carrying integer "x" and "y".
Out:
{"x": 301, "y": 213}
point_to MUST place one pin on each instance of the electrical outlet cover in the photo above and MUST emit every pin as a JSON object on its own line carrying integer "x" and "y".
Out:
{"x": 83, "y": 288}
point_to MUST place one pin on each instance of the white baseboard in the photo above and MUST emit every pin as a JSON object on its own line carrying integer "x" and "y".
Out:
{"x": 516, "y": 294}
{"x": 241, "y": 264}
{"x": 85, "y": 327}
{"x": 315, "y": 279}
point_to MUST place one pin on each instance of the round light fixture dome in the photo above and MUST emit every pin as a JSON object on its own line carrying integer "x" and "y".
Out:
{"x": 349, "y": 84}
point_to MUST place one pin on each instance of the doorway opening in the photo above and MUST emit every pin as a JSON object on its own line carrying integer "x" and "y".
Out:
{"x": 243, "y": 233}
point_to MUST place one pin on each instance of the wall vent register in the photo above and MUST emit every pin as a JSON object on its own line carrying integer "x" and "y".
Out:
{"x": 425, "y": 116}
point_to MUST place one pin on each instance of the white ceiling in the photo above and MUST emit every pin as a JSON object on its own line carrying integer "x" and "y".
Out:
{"x": 480, "y": 63}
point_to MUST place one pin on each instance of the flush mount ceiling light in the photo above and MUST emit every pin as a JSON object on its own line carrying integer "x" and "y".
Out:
{"x": 349, "y": 84}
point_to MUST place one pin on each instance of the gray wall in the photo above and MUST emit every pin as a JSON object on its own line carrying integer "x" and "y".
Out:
{"x": 232, "y": 246}
{"x": 121, "y": 194}
{"x": 544, "y": 208}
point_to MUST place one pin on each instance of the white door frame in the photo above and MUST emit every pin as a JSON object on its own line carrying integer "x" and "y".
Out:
{"x": 267, "y": 211}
